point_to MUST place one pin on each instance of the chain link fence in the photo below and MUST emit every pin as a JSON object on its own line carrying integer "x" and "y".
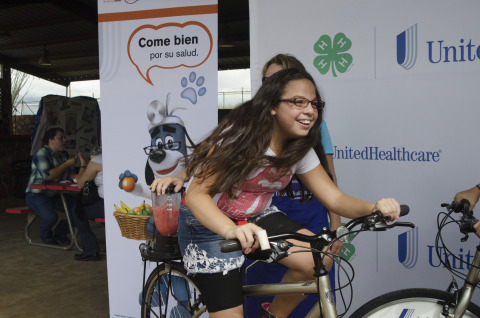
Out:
{"x": 226, "y": 100}
{"x": 229, "y": 100}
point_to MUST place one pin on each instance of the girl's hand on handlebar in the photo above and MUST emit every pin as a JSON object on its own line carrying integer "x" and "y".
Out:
{"x": 160, "y": 185}
{"x": 476, "y": 226}
{"x": 246, "y": 235}
{"x": 388, "y": 207}
{"x": 336, "y": 247}
{"x": 472, "y": 195}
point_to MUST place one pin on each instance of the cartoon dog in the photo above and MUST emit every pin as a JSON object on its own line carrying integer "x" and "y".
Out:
{"x": 168, "y": 144}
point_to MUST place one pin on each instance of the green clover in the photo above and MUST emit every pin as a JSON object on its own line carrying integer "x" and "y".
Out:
{"x": 348, "y": 251}
{"x": 332, "y": 53}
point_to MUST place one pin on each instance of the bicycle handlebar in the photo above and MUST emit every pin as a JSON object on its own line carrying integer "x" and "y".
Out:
{"x": 467, "y": 220}
{"x": 372, "y": 222}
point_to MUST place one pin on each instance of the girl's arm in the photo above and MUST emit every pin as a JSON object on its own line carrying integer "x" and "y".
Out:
{"x": 206, "y": 211}
{"x": 338, "y": 202}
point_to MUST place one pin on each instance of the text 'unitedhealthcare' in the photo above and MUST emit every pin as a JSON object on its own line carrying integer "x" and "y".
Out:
{"x": 389, "y": 154}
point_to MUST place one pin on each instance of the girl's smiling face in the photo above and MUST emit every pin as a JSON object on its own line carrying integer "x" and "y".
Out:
{"x": 291, "y": 121}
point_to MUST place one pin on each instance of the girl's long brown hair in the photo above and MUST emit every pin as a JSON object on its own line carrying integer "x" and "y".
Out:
{"x": 237, "y": 146}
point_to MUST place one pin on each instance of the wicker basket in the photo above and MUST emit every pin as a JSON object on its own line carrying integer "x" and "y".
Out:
{"x": 133, "y": 226}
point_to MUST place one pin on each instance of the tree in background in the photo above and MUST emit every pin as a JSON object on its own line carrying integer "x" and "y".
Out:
{"x": 20, "y": 89}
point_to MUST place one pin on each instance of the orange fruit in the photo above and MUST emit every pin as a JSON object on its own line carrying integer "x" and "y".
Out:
{"x": 128, "y": 184}
{"x": 137, "y": 210}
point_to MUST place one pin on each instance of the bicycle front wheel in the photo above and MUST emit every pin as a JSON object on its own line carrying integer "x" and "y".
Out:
{"x": 169, "y": 293}
{"x": 415, "y": 302}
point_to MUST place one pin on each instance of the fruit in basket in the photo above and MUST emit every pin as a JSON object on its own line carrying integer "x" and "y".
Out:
{"x": 119, "y": 209}
{"x": 138, "y": 210}
{"x": 124, "y": 206}
{"x": 128, "y": 184}
{"x": 130, "y": 212}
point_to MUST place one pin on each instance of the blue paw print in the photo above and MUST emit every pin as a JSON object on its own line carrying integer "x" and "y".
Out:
{"x": 190, "y": 93}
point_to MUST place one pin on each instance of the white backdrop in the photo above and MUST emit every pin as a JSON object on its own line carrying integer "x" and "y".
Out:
{"x": 145, "y": 57}
{"x": 421, "y": 100}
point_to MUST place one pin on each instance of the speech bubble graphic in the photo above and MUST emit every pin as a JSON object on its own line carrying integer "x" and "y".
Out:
{"x": 168, "y": 46}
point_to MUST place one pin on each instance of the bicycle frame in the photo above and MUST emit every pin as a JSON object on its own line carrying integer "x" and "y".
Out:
{"x": 320, "y": 286}
{"x": 308, "y": 287}
{"x": 280, "y": 245}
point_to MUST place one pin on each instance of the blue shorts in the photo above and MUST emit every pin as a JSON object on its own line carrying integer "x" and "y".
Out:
{"x": 200, "y": 246}
{"x": 218, "y": 275}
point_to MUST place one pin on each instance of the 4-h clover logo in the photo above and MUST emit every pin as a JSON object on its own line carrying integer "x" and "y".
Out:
{"x": 332, "y": 54}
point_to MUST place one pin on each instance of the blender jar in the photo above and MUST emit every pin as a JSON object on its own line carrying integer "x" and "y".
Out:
{"x": 165, "y": 211}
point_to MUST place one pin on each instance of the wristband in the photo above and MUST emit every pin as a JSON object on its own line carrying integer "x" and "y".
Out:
{"x": 478, "y": 187}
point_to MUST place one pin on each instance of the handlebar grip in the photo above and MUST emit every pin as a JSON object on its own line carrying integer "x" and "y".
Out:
{"x": 404, "y": 209}
{"x": 228, "y": 246}
{"x": 465, "y": 204}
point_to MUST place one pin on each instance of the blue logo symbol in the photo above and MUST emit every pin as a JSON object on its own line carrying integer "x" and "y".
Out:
{"x": 406, "y": 313}
{"x": 407, "y": 47}
{"x": 408, "y": 248}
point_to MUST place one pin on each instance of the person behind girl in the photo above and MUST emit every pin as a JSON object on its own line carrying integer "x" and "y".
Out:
{"x": 235, "y": 171}
{"x": 51, "y": 163}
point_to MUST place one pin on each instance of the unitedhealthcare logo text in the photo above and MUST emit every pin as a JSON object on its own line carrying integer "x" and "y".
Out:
{"x": 439, "y": 51}
{"x": 408, "y": 253}
{"x": 385, "y": 154}
{"x": 460, "y": 260}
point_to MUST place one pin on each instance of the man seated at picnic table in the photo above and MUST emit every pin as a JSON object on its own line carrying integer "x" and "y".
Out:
{"x": 51, "y": 163}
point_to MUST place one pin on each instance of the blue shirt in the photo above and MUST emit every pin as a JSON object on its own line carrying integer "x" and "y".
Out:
{"x": 44, "y": 161}
{"x": 326, "y": 141}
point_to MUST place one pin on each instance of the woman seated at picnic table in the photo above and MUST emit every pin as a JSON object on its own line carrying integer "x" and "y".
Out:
{"x": 88, "y": 172}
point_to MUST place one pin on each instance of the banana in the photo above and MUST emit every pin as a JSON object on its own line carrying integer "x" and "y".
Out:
{"x": 119, "y": 209}
{"x": 124, "y": 206}
{"x": 142, "y": 206}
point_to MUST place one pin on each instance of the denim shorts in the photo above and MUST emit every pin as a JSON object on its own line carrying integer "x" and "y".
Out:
{"x": 200, "y": 246}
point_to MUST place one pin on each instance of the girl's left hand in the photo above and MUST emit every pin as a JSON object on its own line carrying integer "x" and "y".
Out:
{"x": 388, "y": 207}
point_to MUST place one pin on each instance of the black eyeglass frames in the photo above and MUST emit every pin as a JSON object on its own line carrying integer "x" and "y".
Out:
{"x": 302, "y": 102}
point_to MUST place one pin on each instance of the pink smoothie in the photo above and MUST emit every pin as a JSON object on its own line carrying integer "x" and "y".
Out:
{"x": 166, "y": 225}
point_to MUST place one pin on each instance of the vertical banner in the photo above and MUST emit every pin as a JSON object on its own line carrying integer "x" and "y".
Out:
{"x": 400, "y": 81}
{"x": 158, "y": 78}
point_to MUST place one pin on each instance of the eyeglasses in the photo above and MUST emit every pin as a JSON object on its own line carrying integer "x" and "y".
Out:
{"x": 302, "y": 102}
{"x": 168, "y": 146}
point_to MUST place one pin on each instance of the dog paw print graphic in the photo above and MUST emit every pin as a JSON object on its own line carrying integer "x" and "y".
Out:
{"x": 193, "y": 87}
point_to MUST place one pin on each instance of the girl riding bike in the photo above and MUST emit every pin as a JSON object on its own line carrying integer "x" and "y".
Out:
{"x": 236, "y": 170}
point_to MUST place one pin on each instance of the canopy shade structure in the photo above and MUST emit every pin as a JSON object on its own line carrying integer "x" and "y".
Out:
{"x": 63, "y": 36}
